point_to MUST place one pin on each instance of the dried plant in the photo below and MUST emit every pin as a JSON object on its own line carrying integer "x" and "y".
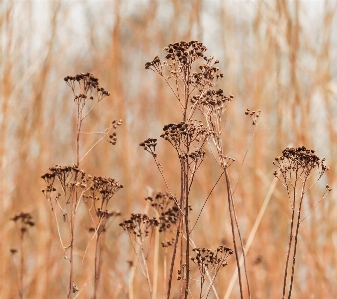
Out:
{"x": 295, "y": 167}
{"x": 210, "y": 261}
{"x": 194, "y": 86}
{"x": 139, "y": 227}
{"x": 97, "y": 198}
{"x": 67, "y": 186}
{"x": 25, "y": 221}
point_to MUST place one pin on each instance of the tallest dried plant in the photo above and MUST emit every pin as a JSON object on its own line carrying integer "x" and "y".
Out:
{"x": 193, "y": 78}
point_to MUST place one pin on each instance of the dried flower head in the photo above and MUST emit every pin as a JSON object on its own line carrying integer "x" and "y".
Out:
{"x": 298, "y": 164}
{"x": 69, "y": 175}
{"x": 254, "y": 115}
{"x": 213, "y": 261}
{"x": 161, "y": 202}
{"x": 150, "y": 146}
{"x": 139, "y": 226}
{"x": 25, "y": 219}
{"x": 101, "y": 190}
{"x": 87, "y": 84}
{"x": 185, "y": 134}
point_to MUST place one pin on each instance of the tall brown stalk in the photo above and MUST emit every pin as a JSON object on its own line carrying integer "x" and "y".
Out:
{"x": 294, "y": 168}
{"x": 68, "y": 185}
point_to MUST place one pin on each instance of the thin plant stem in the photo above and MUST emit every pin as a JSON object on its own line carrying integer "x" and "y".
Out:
{"x": 21, "y": 263}
{"x": 229, "y": 196}
{"x": 146, "y": 272}
{"x": 295, "y": 242}
{"x": 290, "y": 242}
{"x": 241, "y": 242}
{"x": 97, "y": 261}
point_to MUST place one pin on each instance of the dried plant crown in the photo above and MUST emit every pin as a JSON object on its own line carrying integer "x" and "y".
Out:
{"x": 300, "y": 161}
{"x": 150, "y": 145}
{"x": 69, "y": 176}
{"x": 254, "y": 115}
{"x": 167, "y": 209}
{"x": 200, "y": 80}
{"x": 139, "y": 225}
{"x": 87, "y": 84}
{"x": 208, "y": 259}
{"x": 104, "y": 187}
{"x": 25, "y": 219}
{"x": 161, "y": 201}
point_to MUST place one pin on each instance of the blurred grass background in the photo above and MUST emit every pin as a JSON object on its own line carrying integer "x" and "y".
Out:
{"x": 277, "y": 55}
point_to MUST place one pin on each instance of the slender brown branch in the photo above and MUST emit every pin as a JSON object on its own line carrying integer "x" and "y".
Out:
{"x": 230, "y": 205}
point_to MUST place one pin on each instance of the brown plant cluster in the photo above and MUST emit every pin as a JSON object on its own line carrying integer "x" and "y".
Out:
{"x": 254, "y": 115}
{"x": 167, "y": 210}
{"x": 101, "y": 190}
{"x": 149, "y": 145}
{"x": 185, "y": 135}
{"x": 25, "y": 219}
{"x": 207, "y": 259}
{"x": 87, "y": 84}
{"x": 182, "y": 55}
{"x": 139, "y": 226}
{"x": 298, "y": 164}
{"x": 71, "y": 178}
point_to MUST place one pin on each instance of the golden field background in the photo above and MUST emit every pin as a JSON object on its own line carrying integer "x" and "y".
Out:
{"x": 277, "y": 56}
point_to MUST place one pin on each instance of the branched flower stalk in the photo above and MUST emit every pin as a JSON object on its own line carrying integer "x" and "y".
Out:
{"x": 193, "y": 85}
{"x": 139, "y": 227}
{"x": 68, "y": 185}
{"x": 25, "y": 221}
{"x": 71, "y": 183}
{"x": 294, "y": 168}
{"x": 97, "y": 198}
{"x": 210, "y": 261}
{"x": 168, "y": 213}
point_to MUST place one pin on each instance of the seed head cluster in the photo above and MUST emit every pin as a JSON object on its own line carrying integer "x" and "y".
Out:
{"x": 112, "y": 137}
{"x": 69, "y": 176}
{"x": 180, "y": 55}
{"x": 26, "y": 221}
{"x": 182, "y": 135}
{"x": 139, "y": 226}
{"x": 298, "y": 164}
{"x": 161, "y": 201}
{"x": 101, "y": 190}
{"x": 150, "y": 146}
{"x": 87, "y": 84}
{"x": 207, "y": 259}
{"x": 254, "y": 115}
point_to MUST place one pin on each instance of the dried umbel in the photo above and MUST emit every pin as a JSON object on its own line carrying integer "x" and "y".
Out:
{"x": 101, "y": 190}
{"x": 112, "y": 136}
{"x": 168, "y": 218}
{"x": 210, "y": 262}
{"x": 25, "y": 219}
{"x": 139, "y": 226}
{"x": 87, "y": 85}
{"x": 71, "y": 178}
{"x": 207, "y": 259}
{"x": 254, "y": 115}
{"x": 181, "y": 55}
{"x": 297, "y": 165}
{"x": 180, "y": 69}
{"x": 185, "y": 135}
{"x": 97, "y": 198}
{"x": 150, "y": 146}
{"x": 161, "y": 202}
